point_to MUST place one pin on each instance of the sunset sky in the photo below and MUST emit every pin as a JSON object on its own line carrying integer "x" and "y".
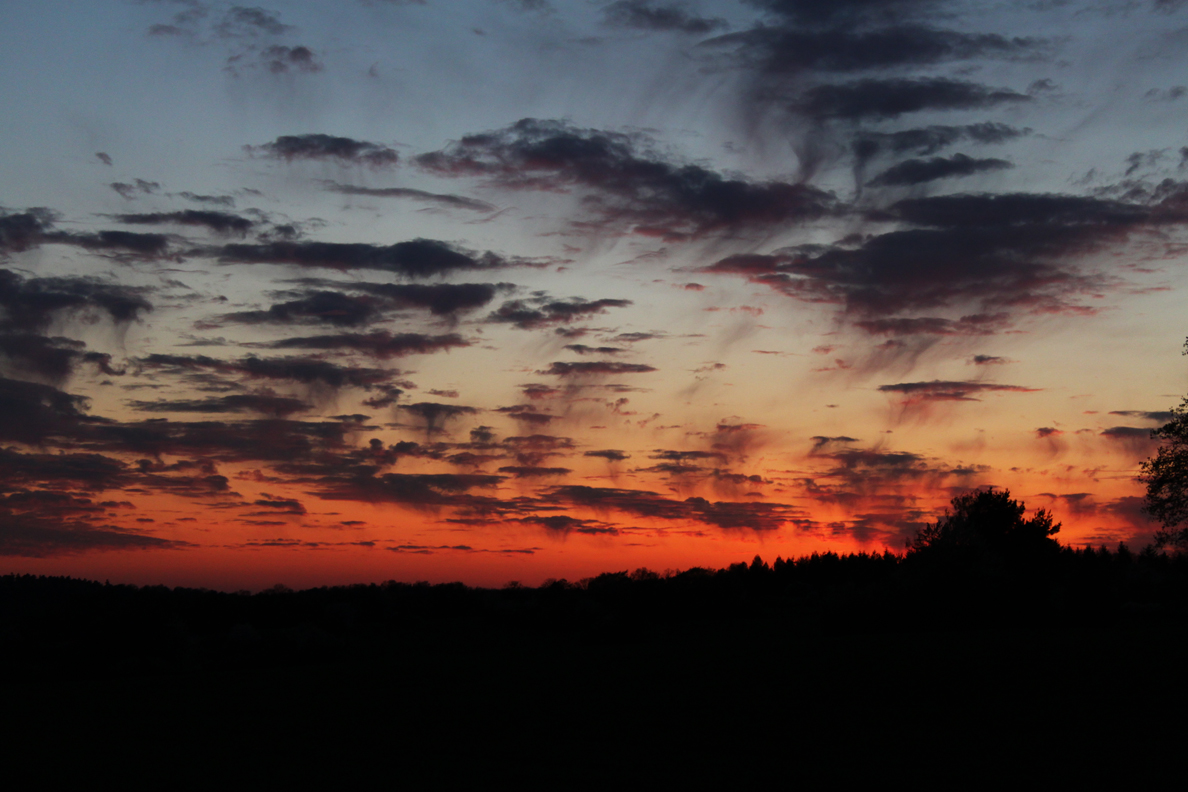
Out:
{"x": 492, "y": 290}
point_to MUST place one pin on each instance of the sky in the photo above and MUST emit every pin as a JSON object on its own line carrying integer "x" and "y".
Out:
{"x": 517, "y": 290}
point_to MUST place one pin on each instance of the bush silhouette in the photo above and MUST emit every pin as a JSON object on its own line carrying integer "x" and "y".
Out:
{"x": 988, "y": 523}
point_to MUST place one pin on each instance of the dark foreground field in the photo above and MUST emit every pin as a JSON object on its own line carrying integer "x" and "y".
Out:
{"x": 819, "y": 671}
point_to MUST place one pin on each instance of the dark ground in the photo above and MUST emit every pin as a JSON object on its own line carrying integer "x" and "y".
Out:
{"x": 629, "y": 681}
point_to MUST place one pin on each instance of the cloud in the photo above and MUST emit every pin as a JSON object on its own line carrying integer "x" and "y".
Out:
{"x": 379, "y": 344}
{"x": 1158, "y": 416}
{"x": 595, "y": 368}
{"x": 931, "y": 139}
{"x": 330, "y": 307}
{"x": 812, "y": 12}
{"x": 582, "y": 349}
{"x": 988, "y": 360}
{"x": 644, "y": 15}
{"x": 624, "y": 184}
{"x": 86, "y": 472}
{"x": 542, "y": 311}
{"x": 920, "y": 171}
{"x": 31, "y": 412}
{"x": 316, "y": 146}
{"x": 891, "y": 98}
{"x": 794, "y": 50}
{"x": 976, "y": 324}
{"x": 217, "y": 200}
{"x": 940, "y": 390}
{"x": 562, "y": 523}
{"x": 418, "y": 258}
{"x": 19, "y": 232}
{"x": 610, "y": 455}
{"x": 219, "y": 222}
{"x": 435, "y": 415}
{"x": 138, "y": 187}
{"x": 49, "y": 359}
{"x": 264, "y": 404}
{"x": 1013, "y": 253}
{"x": 529, "y": 471}
{"x": 308, "y": 371}
{"x": 240, "y": 21}
{"x": 750, "y": 515}
{"x": 33, "y": 535}
{"x": 441, "y": 299}
{"x": 451, "y": 201}
{"x": 377, "y": 300}
{"x": 426, "y": 489}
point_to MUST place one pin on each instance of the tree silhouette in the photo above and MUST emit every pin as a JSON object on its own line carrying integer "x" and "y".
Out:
{"x": 1166, "y": 477}
{"x": 987, "y": 522}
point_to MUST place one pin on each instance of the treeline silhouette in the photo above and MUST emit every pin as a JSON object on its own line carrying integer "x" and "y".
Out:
{"x": 47, "y": 623}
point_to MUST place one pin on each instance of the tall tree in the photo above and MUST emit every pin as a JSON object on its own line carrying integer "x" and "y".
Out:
{"x": 1166, "y": 477}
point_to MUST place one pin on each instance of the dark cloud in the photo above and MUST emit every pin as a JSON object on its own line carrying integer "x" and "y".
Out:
{"x": 263, "y": 404}
{"x": 435, "y": 415}
{"x": 241, "y": 21}
{"x": 931, "y": 139}
{"x": 216, "y": 200}
{"x": 433, "y": 490}
{"x": 562, "y": 523}
{"x": 794, "y": 50}
{"x": 440, "y": 298}
{"x": 328, "y": 147}
{"x": 529, "y": 471}
{"x": 441, "y": 199}
{"x": 137, "y": 245}
{"x": 49, "y": 359}
{"x": 25, "y": 230}
{"x": 919, "y": 171}
{"x": 137, "y": 187}
{"x": 595, "y": 368}
{"x": 275, "y": 440}
{"x": 281, "y": 59}
{"x": 533, "y": 449}
{"x": 624, "y": 183}
{"x": 812, "y": 12}
{"x": 891, "y": 98}
{"x": 542, "y": 311}
{"x": 418, "y": 258}
{"x": 610, "y": 455}
{"x": 753, "y": 516}
{"x": 84, "y": 472}
{"x": 582, "y": 349}
{"x": 36, "y": 535}
{"x": 1158, "y": 416}
{"x": 380, "y": 344}
{"x": 645, "y": 15}
{"x": 219, "y": 222}
{"x": 377, "y": 300}
{"x": 307, "y": 371}
{"x": 988, "y": 360}
{"x": 330, "y": 307}
{"x": 1126, "y": 433}
{"x": 976, "y": 324}
{"x": 29, "y": 306}
{"x": 940, "y": 390}
{"x": 822, "y": 442}
{"x": 33, "y": 413}
{"x": 1008, "y": 252}
{"x": 527, "y": 414}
